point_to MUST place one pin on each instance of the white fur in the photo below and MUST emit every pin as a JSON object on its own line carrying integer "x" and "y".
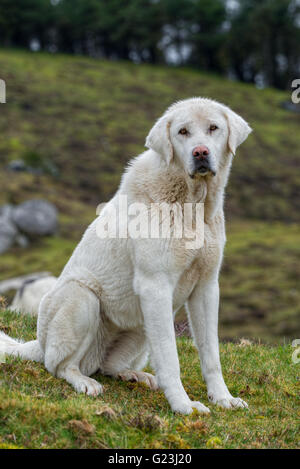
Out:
{"x": 27, "y": 299}
{"x": 114, "y": 301}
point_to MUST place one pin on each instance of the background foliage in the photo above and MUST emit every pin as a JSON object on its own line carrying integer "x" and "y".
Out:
{"x": 253, "y": 40}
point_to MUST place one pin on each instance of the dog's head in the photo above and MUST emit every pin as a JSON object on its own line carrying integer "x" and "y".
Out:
{"x": 199, "y": 134}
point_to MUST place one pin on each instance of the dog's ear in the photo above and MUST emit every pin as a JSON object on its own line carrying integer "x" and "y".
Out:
{"x": 238, "y": 130}
{"x": 159, "y": 139}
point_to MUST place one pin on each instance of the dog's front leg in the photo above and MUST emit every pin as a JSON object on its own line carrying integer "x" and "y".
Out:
{"x": 203, "y": 309}
{"x": 156, "y": 304}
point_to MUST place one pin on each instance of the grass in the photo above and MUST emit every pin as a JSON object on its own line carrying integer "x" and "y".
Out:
{"x": 259, "y": 282}
{"x": 40, "y": 411}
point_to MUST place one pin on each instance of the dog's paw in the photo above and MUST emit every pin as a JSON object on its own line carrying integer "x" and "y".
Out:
{"x": 88, "y": 386}
{"x": 139, "y": 377}
{"x": 200, "y": 407}
{"x": 186, "y": 408}
{"x": 228, "y": 402}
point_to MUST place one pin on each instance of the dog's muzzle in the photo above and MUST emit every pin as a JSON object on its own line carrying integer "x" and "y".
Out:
{"x": 201, "y": 161}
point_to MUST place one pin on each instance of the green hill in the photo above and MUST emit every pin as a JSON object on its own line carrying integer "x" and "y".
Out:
{"x": 81, "y": 120}
{"x": 88, "y": 118}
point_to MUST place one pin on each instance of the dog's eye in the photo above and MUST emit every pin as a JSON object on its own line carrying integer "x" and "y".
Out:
{"x": 183, "y": 131}
{"x": 213, "y": 127}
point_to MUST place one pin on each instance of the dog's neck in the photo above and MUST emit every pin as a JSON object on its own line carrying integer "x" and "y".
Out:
{"x": 213, "y": 187}
{"x": 170, "y": 184}
{"x": 207, "y": 189}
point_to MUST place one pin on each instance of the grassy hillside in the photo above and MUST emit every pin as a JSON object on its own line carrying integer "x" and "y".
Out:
{"x": 82, "y": 119}
{"x": 40, "y": 411}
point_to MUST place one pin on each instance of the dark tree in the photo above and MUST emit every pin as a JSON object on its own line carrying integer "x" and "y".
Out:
{"x": 259, "y": 40}
{"x": 264, "y": 41}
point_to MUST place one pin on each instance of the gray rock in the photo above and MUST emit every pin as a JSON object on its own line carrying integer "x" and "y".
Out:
{"x": 36, "y": 217}
{"x": 22, "y": 240}
{"x": 6, "y": 211}
{"x": 17, "y": 166}
{"x": 8, "y": 234}
{"x": 292, "y": 107}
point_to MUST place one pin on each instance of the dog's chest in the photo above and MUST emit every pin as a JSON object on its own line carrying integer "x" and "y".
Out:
{"x": 185, "y": 285}
{"x": 197, "y": 266}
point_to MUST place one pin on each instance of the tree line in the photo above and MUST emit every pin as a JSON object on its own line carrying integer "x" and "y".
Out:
{"x": 255, "y": 41}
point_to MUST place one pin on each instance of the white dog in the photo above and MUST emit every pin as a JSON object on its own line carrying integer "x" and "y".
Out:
{"x": 114, "y": 301}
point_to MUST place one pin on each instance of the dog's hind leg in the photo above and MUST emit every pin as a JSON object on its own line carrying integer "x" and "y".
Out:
{"x": 71, "y": 334}
{"x": 127, "y": 357}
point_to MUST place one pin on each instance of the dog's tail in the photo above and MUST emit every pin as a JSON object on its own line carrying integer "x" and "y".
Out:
{"x": 28, "y": 350}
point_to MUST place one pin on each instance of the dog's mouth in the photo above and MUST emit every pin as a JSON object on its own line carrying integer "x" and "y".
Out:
{"x": 202, "y": 167}
{"x": 202, "y": 171}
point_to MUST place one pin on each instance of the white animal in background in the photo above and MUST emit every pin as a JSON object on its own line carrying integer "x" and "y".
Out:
{"x": 113, "y": 304}
{"x": 28, "y": 297}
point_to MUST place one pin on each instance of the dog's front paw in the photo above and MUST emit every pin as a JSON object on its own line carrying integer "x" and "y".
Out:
{"x": 228, "y": 401}
{"x": 186, "y": 408}
{"x": 88, "y": 386}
